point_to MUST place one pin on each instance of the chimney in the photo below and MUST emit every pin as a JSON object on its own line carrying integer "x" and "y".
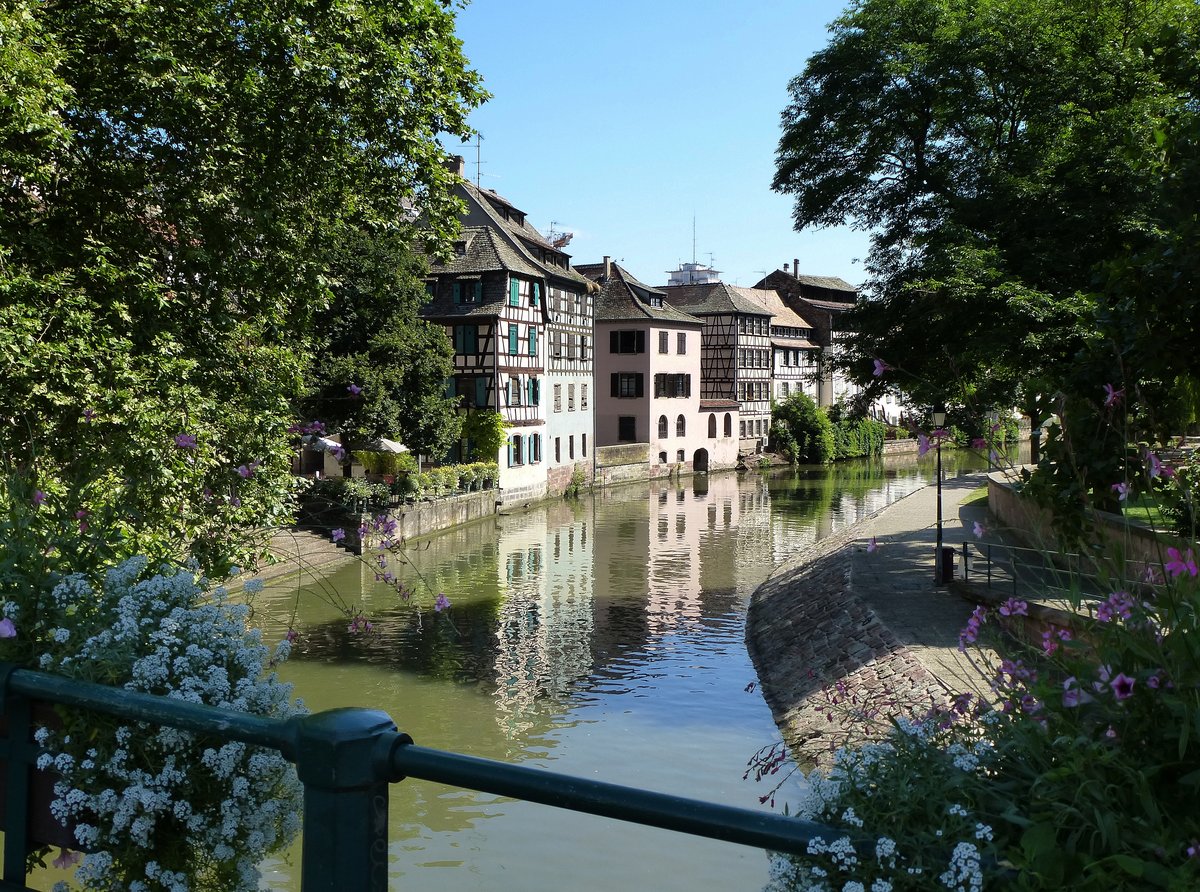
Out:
{"x": 785, "y": 267}
{"x": 456, "y": 164}
{"x": 607, "y": 266}
{"x": 796, "y": 267}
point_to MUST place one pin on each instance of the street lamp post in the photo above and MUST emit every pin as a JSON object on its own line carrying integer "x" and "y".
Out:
{"x": 939, "y": 419}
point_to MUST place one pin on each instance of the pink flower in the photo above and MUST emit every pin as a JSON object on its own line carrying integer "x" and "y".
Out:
{"x": 1122, "y": 687}
{"x": 38, "y": 498}
{"x": 979, "y": 443}
{"x": 339, "y": 455}
{"x": 880, "y": 368}
{"x": 1072, "y": 695}
{"x": 872, "y": 546}
{"x": 246, "y": 471}
{"x": 979, "y": 529}
{"x": 7, "y": 629}
{"x": 922, "y": 444}
{"x": 1122, "y": 490}
{"x": 292, "y": 635}
{"x": 1157, "y": 468}
{"x": 1180, "y": 563}
{"x": 89, "y": 414}
{"x": 338, "y": 535}
{"x": 1112, "y": 396}
{"x": 65, "y": 859}
{"x": 354, "y": 390}
{"x": 1014, "y": 607}
{"x": 441, "y": 603}
{"x": 1111, "y": 733}
{"x": 185, "y": 441}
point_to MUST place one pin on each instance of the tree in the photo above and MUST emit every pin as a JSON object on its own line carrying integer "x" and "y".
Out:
{"x": 1001, "y": 152}
{"x": 176, "y": 182}
{"x": 802, "y": 431}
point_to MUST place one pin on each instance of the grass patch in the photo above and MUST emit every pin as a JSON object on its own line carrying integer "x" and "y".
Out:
{"x": 977, "y": 496}
{"x": 1147, "y": 509}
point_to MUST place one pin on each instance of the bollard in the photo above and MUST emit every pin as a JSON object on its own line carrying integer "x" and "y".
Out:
{"x": 338, "y": 759}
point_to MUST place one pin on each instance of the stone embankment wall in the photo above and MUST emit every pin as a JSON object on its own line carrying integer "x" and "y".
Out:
{"x": 423, "y": 518}
{"x": 813, "y": 642}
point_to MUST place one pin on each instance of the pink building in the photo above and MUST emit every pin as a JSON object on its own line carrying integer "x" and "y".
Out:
{"x": 648, "y": 380}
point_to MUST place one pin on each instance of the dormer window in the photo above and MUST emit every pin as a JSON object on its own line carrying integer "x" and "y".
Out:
{"x": 656, "y": 301}
{"x": 460, "y": 248}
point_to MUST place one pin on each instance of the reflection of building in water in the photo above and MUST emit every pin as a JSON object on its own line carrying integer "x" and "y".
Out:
{"x": 544, "y": 615}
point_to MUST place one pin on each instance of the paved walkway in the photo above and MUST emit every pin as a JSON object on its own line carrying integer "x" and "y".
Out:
{"x": 843, "y": 624}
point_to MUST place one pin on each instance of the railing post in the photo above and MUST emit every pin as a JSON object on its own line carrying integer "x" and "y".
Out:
{"x": 341, "y": 757}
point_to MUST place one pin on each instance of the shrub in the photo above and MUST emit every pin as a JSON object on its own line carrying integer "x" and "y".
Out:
{"x": 801, "y": 431}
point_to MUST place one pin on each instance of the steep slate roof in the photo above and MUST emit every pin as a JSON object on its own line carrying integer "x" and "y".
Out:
{"x": 623, "y": 298}
{"x": 833, "y": 283}
{"x": 712, "y": 299}
{"x": 485, "y": 252}
{"x": 521, "y": 231}
{"x": 770, "y": 301}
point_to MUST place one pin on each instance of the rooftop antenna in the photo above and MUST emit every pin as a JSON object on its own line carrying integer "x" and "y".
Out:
{"x": 478, "y": 156}
{"x": 693, "y": 238}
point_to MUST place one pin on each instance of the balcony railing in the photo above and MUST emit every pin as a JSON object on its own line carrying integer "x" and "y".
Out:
{"x": 346, "y": 759}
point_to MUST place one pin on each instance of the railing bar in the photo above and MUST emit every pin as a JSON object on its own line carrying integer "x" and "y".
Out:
{"x": 723, "y": 822}
{"x": 137, "y": 706}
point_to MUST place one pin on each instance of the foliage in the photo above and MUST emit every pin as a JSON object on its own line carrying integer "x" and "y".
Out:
{"x": 801, "y": 430}
{"x": 160, "y": 809}
{"x": 578, "y": 483}
{"x": 1028, "y": 173}
{"x": 358, "y": 494}
{"x": 486, "y": 431}
{"x": 177, "y": 182}
{"x": 856, "y": 437}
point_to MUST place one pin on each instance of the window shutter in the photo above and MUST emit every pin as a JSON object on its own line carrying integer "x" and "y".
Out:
{"x": 537, "y": 293}
{"x": 458, "y": 292}
{"x": 616, "y": 384}
{"x": 512, "y": 338}
{"x": 481, "y": 391}
{"x": 614, "y": 344}
{"x": 450, "y": 387}
{"x": 514, "y": 292}
{"x": 532, "y": 340}
{"x": 477, "y": 290}
{"x": 638, "y": 379}
{"x": 510, "y": 442}
{"x": 687, "y": 385}
{"x": 640, "y": 343}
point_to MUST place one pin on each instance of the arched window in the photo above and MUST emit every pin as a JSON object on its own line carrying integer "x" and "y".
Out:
{"x": 712, "y": 427}
{"x": 662, "y": 460}
{"x": 662, "y": 427}
{"x": 728, "y": 425}
{"x": 680, "y": 426}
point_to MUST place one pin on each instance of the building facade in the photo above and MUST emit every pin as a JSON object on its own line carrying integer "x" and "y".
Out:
{"x": 793, "y": 354}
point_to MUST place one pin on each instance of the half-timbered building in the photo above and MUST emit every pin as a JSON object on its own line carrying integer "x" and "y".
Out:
{"x": 494, "y": 298}
{"x": 793, "y": 353}
{"x": 736, "y": 353}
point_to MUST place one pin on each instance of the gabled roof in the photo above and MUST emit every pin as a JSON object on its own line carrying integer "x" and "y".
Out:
{"x": 770, "y": 301}
{"x": 527, "y": 241}
{"x": 623, "y": 298}
{"x": 838, "y": 290}
{"x": 711, "y": 299}
{"x": 483, "y": 251}
{"x": 833, "y": 283}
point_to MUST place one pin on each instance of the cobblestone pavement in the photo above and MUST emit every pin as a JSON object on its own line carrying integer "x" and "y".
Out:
{"x": 862, "y": 625}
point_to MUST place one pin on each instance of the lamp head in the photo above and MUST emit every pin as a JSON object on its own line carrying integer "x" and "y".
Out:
{"x": 939, "y": 417}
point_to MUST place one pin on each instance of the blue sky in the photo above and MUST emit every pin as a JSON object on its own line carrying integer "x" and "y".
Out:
{"x": 620, "y": 120}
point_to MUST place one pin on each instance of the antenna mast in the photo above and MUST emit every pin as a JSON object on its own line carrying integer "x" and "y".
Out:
{"x": 478, "y": 156}
{"x": 693, "y": 238}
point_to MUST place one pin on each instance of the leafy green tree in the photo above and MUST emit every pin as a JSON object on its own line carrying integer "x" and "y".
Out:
{"x": 176, "y": 180}
{"x": 1001, "y": 152}
{"x": 802, "y": 431}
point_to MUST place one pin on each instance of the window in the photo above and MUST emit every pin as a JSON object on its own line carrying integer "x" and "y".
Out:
{"x": 514, "y": 293}
{"x": 570, "y": 397}
{"x": 583, "y": 445}
{"x": 466, "y": 340}
{"x": 783, "y": 389}
{"x": 680, "y": 426}
{"x": 558, "y": 449}
{"x": 535, "y": 448}
{"x": 743, "y": 430}
{"x": 535, "y": 392}
{"x": 514, "y": 391}
{"x": 627, "y": 385}
{"x": 679, "y": 457}
{"x": 533, "y": 340}
{"x": 557, "y": 397}
{"x": 512, "y": 339}
{"x": 672, "y": 385}
{"x": 583, "y": 396}
{"x": 662, "y": 427}
{"x": 516, "y": 451}
{"x": 571, "y": 447}
{"x": 728, "y": 425}
{"x": 472, "y": 389}
{"x": 571, "y": 345}
{"x": 712, "y": 427}
{"x": 741, "y": 359}
{"x": 664, "y": 342}
{"x": 681, "y": 343}
{"x": 583, "y": 347}
{"x": 662, "y": 460}
{"x": 627, "y": 428}
{"x": 626, "y": 342}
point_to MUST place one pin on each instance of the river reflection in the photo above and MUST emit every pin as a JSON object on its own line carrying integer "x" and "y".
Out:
{"x": 602, "y": 637}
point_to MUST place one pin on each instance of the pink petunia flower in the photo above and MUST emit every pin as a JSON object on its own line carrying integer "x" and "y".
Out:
{"x": 354, "y": 390}
{"x": 441, "y": 603}
{"x": 338, "y": 535}
{"x": 923, "y": 444}
{"x": 1122, "y": 490}
{"x": 185, "y": 441}
{"x": 7, "y": 629}
{"x": 979, "y": 443}
{"x": 1122, "y": 687}
{"x": 1180, "y": 563}
{"x": 1014, "y": 607}
{"x": 1157, "y": 469}
{"x": 880, "y": 368}
{"x": 38, "y": 498}
{"x": 66, "y": 858}
{"x": 979, "y": 529}
{"x": 1112, "y": 396}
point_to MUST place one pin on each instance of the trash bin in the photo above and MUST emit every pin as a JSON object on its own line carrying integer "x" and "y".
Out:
{"x": 947, "y": 563}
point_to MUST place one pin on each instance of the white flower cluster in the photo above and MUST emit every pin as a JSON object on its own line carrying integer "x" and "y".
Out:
{"x": 160, "y": 807}
{"x": 964, "y": 872}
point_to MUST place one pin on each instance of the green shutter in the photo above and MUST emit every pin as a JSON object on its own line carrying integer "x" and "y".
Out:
{"x": 481, "y": 391}
{"x": 537, "y": 293}
{"x": 450, "y": 388}
{"x": 478, "y": 291}
{"x": 458, "y": 292}
{"x": 512, "y": 339}
{"x": 514, "y": 292}
{"x": 533, "y": 340}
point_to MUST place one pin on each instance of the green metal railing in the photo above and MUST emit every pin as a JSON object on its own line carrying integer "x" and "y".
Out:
{"x": 346, "y": 759}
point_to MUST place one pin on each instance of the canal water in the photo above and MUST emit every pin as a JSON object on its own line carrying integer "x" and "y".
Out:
{"x": 602, "y": 637}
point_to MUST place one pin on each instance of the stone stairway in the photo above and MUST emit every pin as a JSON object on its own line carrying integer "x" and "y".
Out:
{"x": 299, "y": 548}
